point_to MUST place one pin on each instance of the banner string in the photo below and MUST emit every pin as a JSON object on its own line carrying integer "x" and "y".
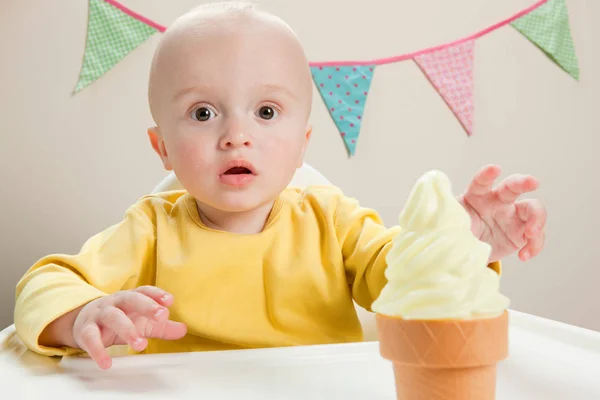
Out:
{"x": 377, "y": 61}
{"x": 408, "y": 56}
{"x": 139, "y": 17}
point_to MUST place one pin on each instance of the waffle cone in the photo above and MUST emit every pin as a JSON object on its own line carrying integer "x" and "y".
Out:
{"x": 444, "y": 360}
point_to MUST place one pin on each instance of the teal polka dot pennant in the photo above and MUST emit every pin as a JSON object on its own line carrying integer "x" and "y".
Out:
{"x": 344, "y": 90}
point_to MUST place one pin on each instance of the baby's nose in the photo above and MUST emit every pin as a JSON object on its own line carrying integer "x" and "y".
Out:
{"x": 234, "y": 140}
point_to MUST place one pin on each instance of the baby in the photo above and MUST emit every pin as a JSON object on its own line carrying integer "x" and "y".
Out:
{"x": 237, "y": 260}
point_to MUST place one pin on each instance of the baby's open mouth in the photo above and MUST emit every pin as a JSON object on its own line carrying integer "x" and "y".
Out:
{"x": 237, "y": 171}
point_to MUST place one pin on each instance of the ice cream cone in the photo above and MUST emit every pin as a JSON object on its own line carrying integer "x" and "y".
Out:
{"x": 444, "y": 359}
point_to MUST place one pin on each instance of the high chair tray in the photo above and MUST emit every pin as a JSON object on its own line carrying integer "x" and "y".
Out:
{"x": 548, "y": 360}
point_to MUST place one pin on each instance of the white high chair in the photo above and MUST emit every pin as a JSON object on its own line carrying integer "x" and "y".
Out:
{"x": 304, "y": 176}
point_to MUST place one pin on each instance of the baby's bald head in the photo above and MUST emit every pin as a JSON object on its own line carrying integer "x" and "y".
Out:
{"x": 228, "y": 40}
{"x": 230, "y": 84}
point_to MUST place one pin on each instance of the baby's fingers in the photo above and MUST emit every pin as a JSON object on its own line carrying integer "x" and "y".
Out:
{"x": 90, "y": 340}
{"x": 166, "y": 329}
{"x": 534, "y": 215}
{"x": 533, "y": 247}
{"x": 117, "y": 321}
{"x": 134, "y": 302}
{"x": 157, "y": 294}
{"x": 173, "y": 330}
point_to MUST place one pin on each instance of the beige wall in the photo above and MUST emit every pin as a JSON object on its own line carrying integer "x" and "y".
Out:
{"x": 70, "y": 165}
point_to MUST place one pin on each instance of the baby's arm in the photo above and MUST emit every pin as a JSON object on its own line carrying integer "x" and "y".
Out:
{"x": 51, "y": 293}
{"x": 364, "y": 241}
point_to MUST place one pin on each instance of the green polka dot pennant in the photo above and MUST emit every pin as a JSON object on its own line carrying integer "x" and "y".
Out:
{"x": 548, "y": 28}
{"x": 111, "y": 35}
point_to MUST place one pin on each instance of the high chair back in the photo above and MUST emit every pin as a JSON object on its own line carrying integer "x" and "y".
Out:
{"x": 304, "y": 176}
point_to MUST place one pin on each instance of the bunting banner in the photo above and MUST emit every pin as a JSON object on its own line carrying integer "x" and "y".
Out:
{"x": 548, "y": 28}
{"x": 450, "y": 71}
{"x": 114, "y": 31}
{"x": 344, "y": 90}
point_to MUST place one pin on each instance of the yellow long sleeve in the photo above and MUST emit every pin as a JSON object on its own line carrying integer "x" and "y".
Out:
{"x": 108, "y": 262}
{"x": 294, "y": 283}
{"x": 365, "y": 242}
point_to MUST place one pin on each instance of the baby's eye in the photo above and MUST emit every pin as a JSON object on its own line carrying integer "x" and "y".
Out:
{"x": 266, "y": 112}
{"x": 202, "y": 114}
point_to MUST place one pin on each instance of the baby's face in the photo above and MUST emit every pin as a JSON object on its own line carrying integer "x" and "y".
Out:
{"x": 232, "y": 107}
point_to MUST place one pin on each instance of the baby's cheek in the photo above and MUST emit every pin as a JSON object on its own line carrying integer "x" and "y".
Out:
{"x": 290, "y": 151}
{"x": 189, "y": 156}
{"x": 284, "y": 145}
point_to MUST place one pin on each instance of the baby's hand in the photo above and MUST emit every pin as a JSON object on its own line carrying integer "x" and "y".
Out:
{"x": 126, "y": 317}
{"x": 501, "y": 219}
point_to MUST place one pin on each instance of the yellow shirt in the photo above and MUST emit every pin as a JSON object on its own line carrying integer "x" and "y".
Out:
{"x": 291, "y": 284}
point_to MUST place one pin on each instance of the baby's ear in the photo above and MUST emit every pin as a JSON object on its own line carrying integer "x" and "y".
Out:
{"x": 305, "y": 145}
{"x": 308, "y": 132}
{"x": 158, "y": 145}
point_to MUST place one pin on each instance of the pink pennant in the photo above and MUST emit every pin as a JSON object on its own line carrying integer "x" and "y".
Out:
{"x": 450, "y": 71}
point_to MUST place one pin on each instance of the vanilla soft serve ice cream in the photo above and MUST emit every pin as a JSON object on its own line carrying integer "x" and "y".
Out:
{"x": 437, "y": 268}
